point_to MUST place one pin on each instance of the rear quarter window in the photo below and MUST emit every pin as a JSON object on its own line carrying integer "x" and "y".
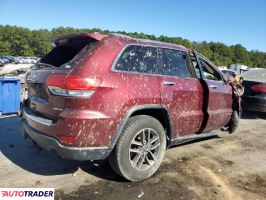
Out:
{"x": 136, "y": 58}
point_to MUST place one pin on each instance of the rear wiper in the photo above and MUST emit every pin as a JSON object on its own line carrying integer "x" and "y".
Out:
{"x": 42, "y": 65}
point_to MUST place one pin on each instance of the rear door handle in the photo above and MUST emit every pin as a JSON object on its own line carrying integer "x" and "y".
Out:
{"x": 168, "y": 83}
{"x": 213, "y": 86}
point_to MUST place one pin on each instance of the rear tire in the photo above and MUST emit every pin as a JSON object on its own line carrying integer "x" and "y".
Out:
{"x": 140, "y": 148}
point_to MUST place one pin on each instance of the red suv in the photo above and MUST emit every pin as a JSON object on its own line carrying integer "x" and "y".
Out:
{"x": 98, "y": 96}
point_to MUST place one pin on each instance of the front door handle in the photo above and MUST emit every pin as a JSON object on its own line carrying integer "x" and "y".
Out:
{"x": 168, "y": 83}
{"x": 213, "y": 86}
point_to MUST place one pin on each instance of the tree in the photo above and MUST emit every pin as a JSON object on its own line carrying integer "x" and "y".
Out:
{"x": 240, "y": 54}
{"x": 40, "y": 42}
{"x": 24, "y": 42}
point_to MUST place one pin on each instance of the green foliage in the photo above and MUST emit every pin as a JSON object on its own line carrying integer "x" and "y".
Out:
{"x": 4, "y": 48}
{"x": 24, "y": 42}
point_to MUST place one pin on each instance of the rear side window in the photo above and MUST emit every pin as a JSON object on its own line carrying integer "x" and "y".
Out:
{"x": 173, "y": 63}
{"x": 137, "y": 59}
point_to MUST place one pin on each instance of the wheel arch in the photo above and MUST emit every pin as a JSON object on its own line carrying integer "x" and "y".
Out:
{"x": 159, "y": 112}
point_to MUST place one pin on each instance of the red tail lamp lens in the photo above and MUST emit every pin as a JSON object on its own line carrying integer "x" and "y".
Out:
{"x": 72, "y": 86}
{"x": 258, "y": 88}
{"x": 80, "y": 83}
{"x": 56, "y": 81}
{"x": 73, "y": 82}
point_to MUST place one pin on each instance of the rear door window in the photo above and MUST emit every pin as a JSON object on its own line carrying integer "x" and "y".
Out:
{"x": 173, "y": 63}
{"x": 135, "y": 58}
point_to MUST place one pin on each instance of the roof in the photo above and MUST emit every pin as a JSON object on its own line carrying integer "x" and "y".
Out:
{"x": 125, "y": 38}
{"x": 146, "y": 41}
{"x": 95, "y": 36}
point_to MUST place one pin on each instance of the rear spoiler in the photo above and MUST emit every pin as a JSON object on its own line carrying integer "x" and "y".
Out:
{"x": 63, "y": 39}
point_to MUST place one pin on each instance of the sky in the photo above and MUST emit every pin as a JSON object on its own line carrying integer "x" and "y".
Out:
{"x": 227, "y": 21}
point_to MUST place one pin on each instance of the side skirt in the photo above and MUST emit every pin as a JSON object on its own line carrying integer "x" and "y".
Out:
{"x": 191, "y": 137}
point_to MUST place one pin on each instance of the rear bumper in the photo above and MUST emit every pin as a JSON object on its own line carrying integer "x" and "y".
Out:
{"x": 73, "y": 153}
{"x": 93, "y": 129}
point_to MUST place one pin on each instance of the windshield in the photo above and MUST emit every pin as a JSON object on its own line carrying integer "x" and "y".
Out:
{"x": 258, "y": 75}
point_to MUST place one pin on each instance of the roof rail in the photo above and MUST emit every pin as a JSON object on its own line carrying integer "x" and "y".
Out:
{"x": 146, "y": 40}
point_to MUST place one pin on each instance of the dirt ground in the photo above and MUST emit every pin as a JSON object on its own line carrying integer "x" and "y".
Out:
{"x": 221, "y": 167}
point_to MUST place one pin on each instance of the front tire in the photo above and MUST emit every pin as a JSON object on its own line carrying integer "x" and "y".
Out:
{"x": 140, "y": 148}
{"x": 233, "y": 124}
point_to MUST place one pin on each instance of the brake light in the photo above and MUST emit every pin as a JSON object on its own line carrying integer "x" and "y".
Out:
{"x": 72, "y": 85}
{"x": 258, "y": 88}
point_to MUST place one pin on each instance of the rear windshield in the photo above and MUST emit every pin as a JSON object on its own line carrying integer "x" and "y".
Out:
{"x": 71, "y": 50}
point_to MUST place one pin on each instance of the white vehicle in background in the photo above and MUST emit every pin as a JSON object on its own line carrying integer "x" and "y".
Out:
{"x": 228, "y": 72}
{"x": 27, "y": 60}
{"x": 222, "y": 67}
{"x": 18, "y": 60}
{"x": 34, "y": 59}
{"x": 238, "y": 68}
{"x": 3, "y": 60}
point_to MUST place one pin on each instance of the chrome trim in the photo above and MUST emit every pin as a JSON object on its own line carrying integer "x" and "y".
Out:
{"x": 168, "y": 83}
{"x": 71, "y": 93}
{"x": 40, "y": 120}
{"x": 213, "y": 86}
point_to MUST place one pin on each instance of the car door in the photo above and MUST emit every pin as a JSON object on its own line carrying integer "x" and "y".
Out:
{"x": 218, "y": 100}
{"x": 181, "y": 93}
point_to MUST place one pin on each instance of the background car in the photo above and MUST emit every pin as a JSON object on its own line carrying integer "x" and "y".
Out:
{"x": 3, "y": 60}
{"x": 254, "y": 97}
{"x": 228, "y": 72}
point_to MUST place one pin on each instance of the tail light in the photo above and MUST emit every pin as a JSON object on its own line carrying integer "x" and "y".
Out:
{"x": 73, "y": 86}
{"x": 258, "y": 88}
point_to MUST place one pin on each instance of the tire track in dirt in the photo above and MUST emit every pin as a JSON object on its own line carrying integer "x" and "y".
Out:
{"x": 225, "y": 189}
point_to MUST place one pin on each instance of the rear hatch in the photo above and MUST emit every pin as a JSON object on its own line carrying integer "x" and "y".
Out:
{"x": 68, "y": 52}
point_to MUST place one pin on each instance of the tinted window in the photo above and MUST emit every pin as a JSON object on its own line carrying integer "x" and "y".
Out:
{"x": 138, "y": 59}
{"x": 173, "y": 63}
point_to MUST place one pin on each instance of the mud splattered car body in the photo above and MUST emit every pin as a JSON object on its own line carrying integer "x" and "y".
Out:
{"x": 84, "y": 92}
